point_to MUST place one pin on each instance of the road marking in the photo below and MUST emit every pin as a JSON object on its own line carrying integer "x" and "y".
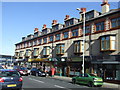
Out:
{"x": 59, "y": 86}
{"x": 36, "y": 80}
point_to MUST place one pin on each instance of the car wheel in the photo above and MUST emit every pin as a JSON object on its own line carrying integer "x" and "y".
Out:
{"x": 90, "y": 84}
{"x": 73, "y": 81}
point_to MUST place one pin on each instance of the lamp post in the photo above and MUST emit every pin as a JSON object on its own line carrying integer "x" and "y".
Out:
{"x": 83, "y": 10}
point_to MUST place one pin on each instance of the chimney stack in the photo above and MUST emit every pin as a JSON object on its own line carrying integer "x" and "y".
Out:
{"x": 44, "y": 26}
{"x": 105, "y": 6}
{"x": 36, "y": 30}
{"x": 54, "y": 22}
{"x": 67, "y": 17}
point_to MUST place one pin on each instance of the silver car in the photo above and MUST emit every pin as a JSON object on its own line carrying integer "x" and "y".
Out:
{"x": 10, "y": 79}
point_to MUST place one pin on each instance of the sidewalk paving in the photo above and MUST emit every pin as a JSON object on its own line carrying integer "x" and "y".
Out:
{"x": 105, "y": 85}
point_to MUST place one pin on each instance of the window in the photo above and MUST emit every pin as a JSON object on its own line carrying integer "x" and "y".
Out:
{"x": 107, "y": 43}
{"x": 55, "y": 27}
{"x": 78, "y": 47}
{"x": 40, "y": 41}
{"x": 45, "y": 40}
{"x": 87, "y": 29}
{"x": 50, "y": 38}
{"x": 28, "y": 52}
{"x": 60, "y": 49}
{"x": 115, "y": 22}
{"x": 69, "y": 22}
{"x": 36, "y": 52}
{"x": 65, "y": 35}
{"x": 100, "y": 26}
{"x": 21, "y": 54}
{"x": 74, "y": 32}
{"x": 34, "y": 42}
{"x": 57, "y": 37}
{"x": 46, "y": 51}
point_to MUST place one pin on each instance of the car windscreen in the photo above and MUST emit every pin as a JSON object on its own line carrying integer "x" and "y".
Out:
{"x": 92, "y": 75}
{"x": 23, "y": 68}
{"x": 9, "y": 74}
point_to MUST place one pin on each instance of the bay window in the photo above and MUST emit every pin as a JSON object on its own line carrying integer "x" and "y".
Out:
{"x": 46, "y": 51}
{"x": 78, "y": 47}
{"x": 108, "y": 43}
{"x": 60, "y": 49}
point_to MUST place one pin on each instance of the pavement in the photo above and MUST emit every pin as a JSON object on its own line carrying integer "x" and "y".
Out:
{"x": 105, "y": 85}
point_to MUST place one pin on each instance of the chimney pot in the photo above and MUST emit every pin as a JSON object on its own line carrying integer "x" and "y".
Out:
{"x": 67, "y": 17}
{"x": 54, "y": 22}
{"x": 83, "y": 10}
{"x": 44, "y": 26}
{"x": 36, "y": 30}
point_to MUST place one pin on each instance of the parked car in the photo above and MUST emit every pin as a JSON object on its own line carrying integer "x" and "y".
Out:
{"x": 36, "y": 72}
{"x": 22, "y": 70}
{"x": 88, "y": 79}
{"x": 1, "y": 67}
{"x": 10, "y": 79}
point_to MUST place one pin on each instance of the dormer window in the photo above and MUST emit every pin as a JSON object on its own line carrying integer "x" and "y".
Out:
{"x": 108, "y": 43}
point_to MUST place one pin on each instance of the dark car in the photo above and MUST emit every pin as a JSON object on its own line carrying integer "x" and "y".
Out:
{"x": 10, "y": 79}
{"x": 37, "y": 72}
{"x": 22, "y": 70}
{"x": 1, "y": 67}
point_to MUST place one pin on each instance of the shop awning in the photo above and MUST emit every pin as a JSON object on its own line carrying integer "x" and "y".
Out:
{"x": 105, "y": 62}
{"x": 37, "y": 59}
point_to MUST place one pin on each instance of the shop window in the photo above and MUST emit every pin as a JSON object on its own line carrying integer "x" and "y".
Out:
{"x": 75, "y": 33}
{"x": 65, "y": 34}
{"x": 60, "y": 49}
{"x": 100, "y": 26}
{"x": 46, "y": 51}
{"x": 107, "y": 43}
{"x": 115, "y": 22}
{"x": 78, "y": 47}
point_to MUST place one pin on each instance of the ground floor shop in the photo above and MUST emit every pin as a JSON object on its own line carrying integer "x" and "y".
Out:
{"x": 107, "y": 70}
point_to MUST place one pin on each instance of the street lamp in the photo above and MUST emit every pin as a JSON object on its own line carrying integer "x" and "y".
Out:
{"x": 83, "y": 10}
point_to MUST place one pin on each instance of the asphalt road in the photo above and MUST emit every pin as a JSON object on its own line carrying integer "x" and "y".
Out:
{"x": 45, "y": 83}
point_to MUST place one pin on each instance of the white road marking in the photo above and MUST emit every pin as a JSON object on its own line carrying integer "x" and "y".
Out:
{"x": 36, "y": 80}
{"x": 59, "y": 86}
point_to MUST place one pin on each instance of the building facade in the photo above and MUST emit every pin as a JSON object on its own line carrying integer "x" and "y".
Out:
{"x": 62, "y": 45}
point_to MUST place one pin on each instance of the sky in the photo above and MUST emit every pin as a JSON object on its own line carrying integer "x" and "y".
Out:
{"x": 18, "y": 19}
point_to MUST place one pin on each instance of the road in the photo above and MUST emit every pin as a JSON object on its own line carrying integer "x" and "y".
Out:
{"x": 37, "y": 83}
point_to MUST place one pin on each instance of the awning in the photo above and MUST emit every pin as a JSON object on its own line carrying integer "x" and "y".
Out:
{"x": 37, "y": 59}
{"x": 105, "y": 62}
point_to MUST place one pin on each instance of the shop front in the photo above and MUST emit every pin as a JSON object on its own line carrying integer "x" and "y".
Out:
{"x": 108, "y": 70}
